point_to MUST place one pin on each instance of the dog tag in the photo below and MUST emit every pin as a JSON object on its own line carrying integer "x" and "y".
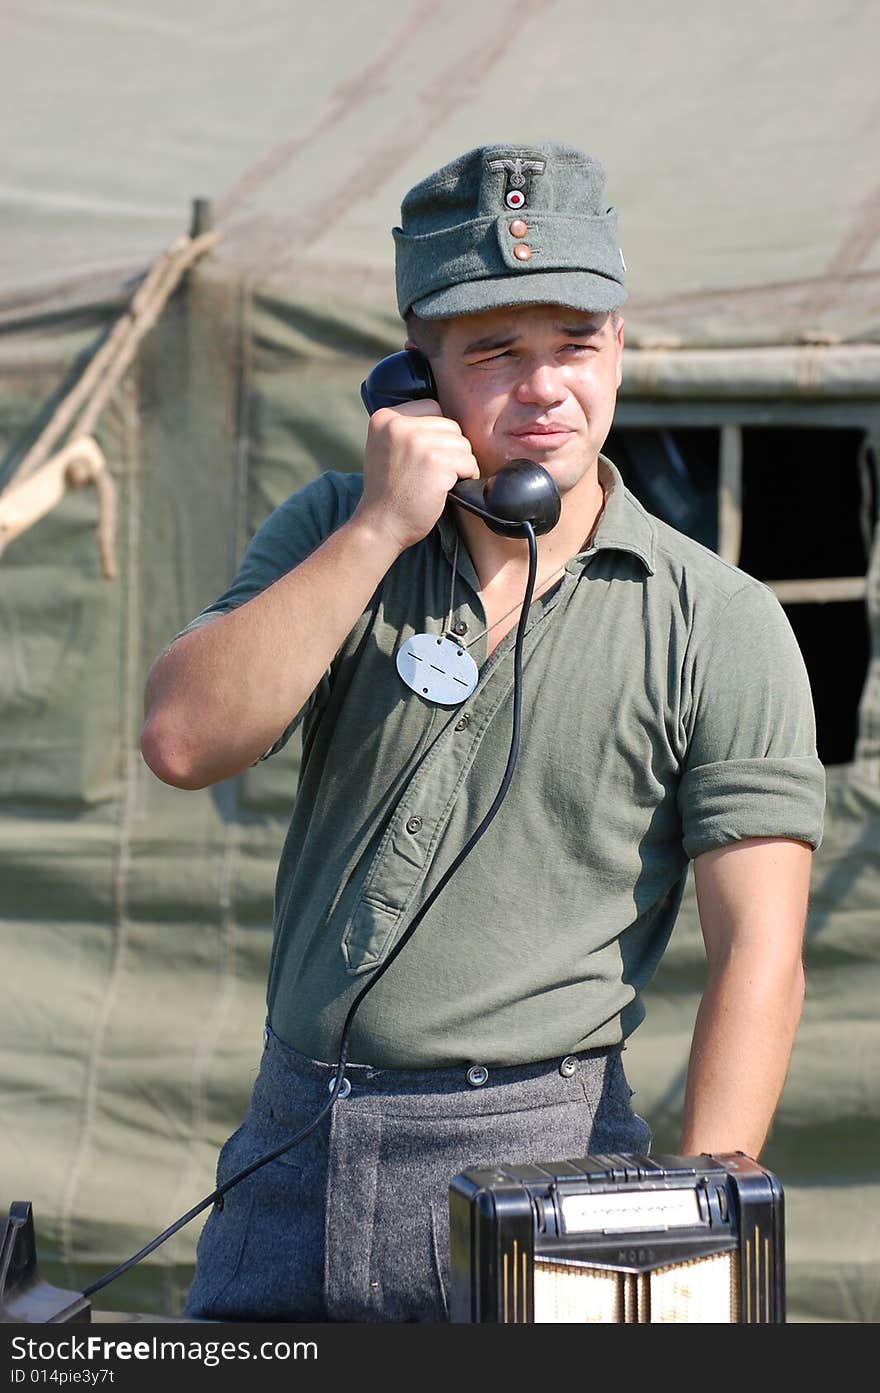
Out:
{"x": 439, "y": 669}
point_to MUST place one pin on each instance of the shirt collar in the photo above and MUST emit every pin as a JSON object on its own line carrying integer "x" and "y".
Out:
{"x": 623, "y": 526}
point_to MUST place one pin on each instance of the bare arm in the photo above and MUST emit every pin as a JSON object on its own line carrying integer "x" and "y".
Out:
{"x": 221, "y": 695}
{"x": 752, "y": 899}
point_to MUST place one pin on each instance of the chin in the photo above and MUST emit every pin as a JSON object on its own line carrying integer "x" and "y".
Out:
{"x": 567, "y": 473}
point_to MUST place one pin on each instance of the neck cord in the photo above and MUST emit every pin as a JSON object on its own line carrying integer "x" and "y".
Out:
{"x": 447, "y": 628}
{"x": 448, "y": 631}
{"x": 216, "y": 1196}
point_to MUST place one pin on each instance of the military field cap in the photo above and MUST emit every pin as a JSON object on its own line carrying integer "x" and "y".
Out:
{"x": 509, "y": 225}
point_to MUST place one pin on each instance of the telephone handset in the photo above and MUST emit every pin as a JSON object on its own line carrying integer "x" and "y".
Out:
{"x": 521, "y": 492}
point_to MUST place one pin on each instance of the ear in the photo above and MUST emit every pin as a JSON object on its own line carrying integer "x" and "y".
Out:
{"x": 619, "y": 337}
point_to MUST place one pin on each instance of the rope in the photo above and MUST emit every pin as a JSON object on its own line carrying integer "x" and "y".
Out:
{"x": 38, "y": 484}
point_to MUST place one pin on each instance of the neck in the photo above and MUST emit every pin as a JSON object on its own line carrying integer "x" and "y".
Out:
{"x": 501, "y": 559}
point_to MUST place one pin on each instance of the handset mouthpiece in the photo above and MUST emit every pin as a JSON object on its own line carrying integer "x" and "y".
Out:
{"x": 521, "y": 492}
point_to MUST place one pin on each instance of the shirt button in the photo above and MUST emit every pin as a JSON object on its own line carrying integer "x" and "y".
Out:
{"x": 414, "y": 824}
{"x": 463, "y": 722}
{"x": 522, "y": 251}
{"x": 568, "y": 1066}
{"x": 477, "y": 1075}
{"x": 460, "y": 628}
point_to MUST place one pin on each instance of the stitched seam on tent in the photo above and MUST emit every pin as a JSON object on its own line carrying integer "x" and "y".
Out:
{"x": 131, "y": 763}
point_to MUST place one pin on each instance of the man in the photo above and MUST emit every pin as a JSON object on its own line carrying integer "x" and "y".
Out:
{"x": 667, "y": 718}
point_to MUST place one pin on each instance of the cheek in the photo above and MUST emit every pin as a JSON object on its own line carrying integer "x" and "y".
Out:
{"x": 475, "y": 408}
{"x": 600, "y": 400}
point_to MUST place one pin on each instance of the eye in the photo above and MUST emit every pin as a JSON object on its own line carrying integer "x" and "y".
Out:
{"x": 502, "y": 356}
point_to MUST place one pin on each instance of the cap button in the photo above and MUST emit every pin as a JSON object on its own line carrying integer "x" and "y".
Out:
{"x": 518, "y": 228}
{"x": 522, "y": 251}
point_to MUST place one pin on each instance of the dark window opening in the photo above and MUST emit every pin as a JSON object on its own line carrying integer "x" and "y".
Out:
{"x": 673, "y": 473}
{"x": 835, "y": 641}
{"x": 803, "y": 504}
{"x": 809, "y": 500}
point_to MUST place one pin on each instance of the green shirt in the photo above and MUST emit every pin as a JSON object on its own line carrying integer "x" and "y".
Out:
{"x": 666, "y": 711}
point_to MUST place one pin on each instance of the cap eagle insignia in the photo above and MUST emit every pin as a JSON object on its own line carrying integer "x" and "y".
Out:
{"x": 516, "y": 171}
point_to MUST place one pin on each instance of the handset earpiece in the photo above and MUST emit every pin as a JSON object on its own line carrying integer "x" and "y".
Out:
{"x": 521, "y": 492}
{"x": 401, "y": 377}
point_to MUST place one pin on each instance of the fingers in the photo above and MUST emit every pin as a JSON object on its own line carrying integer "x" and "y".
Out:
{"x": 417, "y": 433}
{"x": 413, "y": 415}
{"x": 414, "y": 456}
{"x": 425, "y": 406}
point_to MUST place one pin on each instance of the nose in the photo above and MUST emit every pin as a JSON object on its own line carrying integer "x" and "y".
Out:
{"x": 541, "y": 386}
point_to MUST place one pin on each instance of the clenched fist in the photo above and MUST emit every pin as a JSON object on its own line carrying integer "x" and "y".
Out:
{"x": 414, "y": 455}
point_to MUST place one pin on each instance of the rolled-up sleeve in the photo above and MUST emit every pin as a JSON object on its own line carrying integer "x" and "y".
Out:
{"x": 751, "y": 769}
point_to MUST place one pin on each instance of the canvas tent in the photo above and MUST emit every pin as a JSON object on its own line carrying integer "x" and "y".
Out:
{"x": 740, "y": 145}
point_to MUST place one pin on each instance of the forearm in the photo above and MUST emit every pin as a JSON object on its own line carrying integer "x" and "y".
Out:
{"x": 223, "y": 693}
{"x": 742, "y": 1043}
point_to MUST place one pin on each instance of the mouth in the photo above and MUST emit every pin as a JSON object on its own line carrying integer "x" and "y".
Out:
{"x": 539, "y": 437}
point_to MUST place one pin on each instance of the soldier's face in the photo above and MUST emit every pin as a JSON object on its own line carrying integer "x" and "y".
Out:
{"x": 538, "y": 382}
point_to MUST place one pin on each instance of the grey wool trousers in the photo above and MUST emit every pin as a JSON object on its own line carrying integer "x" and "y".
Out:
{"x": 352, "y": 1224}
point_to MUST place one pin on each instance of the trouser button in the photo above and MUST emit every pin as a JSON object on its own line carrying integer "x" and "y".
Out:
{"x": 477, "y": 1075}
{"x": 568, "y": 1066}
